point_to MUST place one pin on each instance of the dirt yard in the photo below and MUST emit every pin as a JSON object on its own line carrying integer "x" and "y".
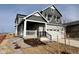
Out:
{"x": 2, "y": 37}
{"x": 35, "y": 47}
{"x": 6, "y": 36}
{"x": 52, "y": 48}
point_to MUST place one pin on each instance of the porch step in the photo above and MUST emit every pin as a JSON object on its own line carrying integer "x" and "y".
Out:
{"x": 44, "y": 39}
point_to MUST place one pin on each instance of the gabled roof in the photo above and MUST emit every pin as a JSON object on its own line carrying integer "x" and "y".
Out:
{"x": 52, "y": 7}
{"x": 35, "y": 13}
{"x": 26, "y": 16}
{"x": 20, "y": 16}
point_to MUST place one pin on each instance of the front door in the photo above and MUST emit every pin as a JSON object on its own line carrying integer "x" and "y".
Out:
{"x": 40, "y": 31}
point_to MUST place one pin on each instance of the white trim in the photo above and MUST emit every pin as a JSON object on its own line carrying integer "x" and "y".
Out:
{"x": 51, "y": 8}
{"x": 43, "y": 16}
{"x": 16, "y": 31}
{"x": 34, "y": 13}
{"x": 34, "y": 21}
{"x": 46, "y": 27}
{"x": 34, "y": 35}
{"x": 25, "y": 26}
{"x": 54, "y": 24}
{"x": 47, "y": 7}
{"x": 30, "y": 14}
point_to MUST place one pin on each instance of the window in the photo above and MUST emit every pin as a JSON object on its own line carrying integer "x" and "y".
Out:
{"x": 57, "y": 30}
{"x": 54, "y": 29}
{"x": 49, "y": 16}
{"x": 49, "y": 29}
{"x": 56, "y": 19}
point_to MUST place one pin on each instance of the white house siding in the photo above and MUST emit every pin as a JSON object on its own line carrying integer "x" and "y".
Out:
{"x": 16, "y": 32}
{"x": 57, "y": 32}
{"x": 20, "y": 30}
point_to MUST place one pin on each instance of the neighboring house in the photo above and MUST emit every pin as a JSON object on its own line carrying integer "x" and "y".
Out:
{"x": 72, "y": 29}
{"x": 44, "y": 24}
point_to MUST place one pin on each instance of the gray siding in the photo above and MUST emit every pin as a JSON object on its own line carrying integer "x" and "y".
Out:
{"x": 19, "y": 18}
{"x": 36, "y": 18}
{"x": 54, "y": 14}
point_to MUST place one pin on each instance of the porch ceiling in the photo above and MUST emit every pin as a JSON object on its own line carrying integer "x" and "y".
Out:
{"x": 34, "y": 25}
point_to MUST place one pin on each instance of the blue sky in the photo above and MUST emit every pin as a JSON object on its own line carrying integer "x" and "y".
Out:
{"x": 8, "y": 13}
{"x": 70, "y": 12}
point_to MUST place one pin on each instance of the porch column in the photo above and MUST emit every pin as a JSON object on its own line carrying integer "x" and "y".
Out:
{"x": 16, "y": 32}
{"x": 24, "y": 34}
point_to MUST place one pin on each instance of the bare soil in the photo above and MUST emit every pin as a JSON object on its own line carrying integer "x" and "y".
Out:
{"x": 50, "y": 47}
{"x": 38, "y": 47}
{"x": 34, "y": 42}
{"x": 6, "y": 36}
{"x": 2, "y": 37}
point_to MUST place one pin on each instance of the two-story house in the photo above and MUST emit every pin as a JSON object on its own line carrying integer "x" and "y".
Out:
{"x": 45, "y": 25}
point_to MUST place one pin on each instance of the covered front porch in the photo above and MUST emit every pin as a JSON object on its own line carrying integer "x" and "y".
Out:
{"x": 33, "y": 29}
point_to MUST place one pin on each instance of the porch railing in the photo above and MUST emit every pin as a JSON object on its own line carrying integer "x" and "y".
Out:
{"x": 45, "y": 34}
{"x": 48, "y": 36}
{"x": 35, "y": 34}
{"x": 31, "y": 33}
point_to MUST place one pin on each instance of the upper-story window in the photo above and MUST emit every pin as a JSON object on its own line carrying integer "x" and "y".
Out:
{"x": 57, "y": 19}
{"x": 49, "y": 17}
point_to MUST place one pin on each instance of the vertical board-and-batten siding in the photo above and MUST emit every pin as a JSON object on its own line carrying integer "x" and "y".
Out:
{"x": 54, "y": 14}
{"x": 36, "y": 18}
